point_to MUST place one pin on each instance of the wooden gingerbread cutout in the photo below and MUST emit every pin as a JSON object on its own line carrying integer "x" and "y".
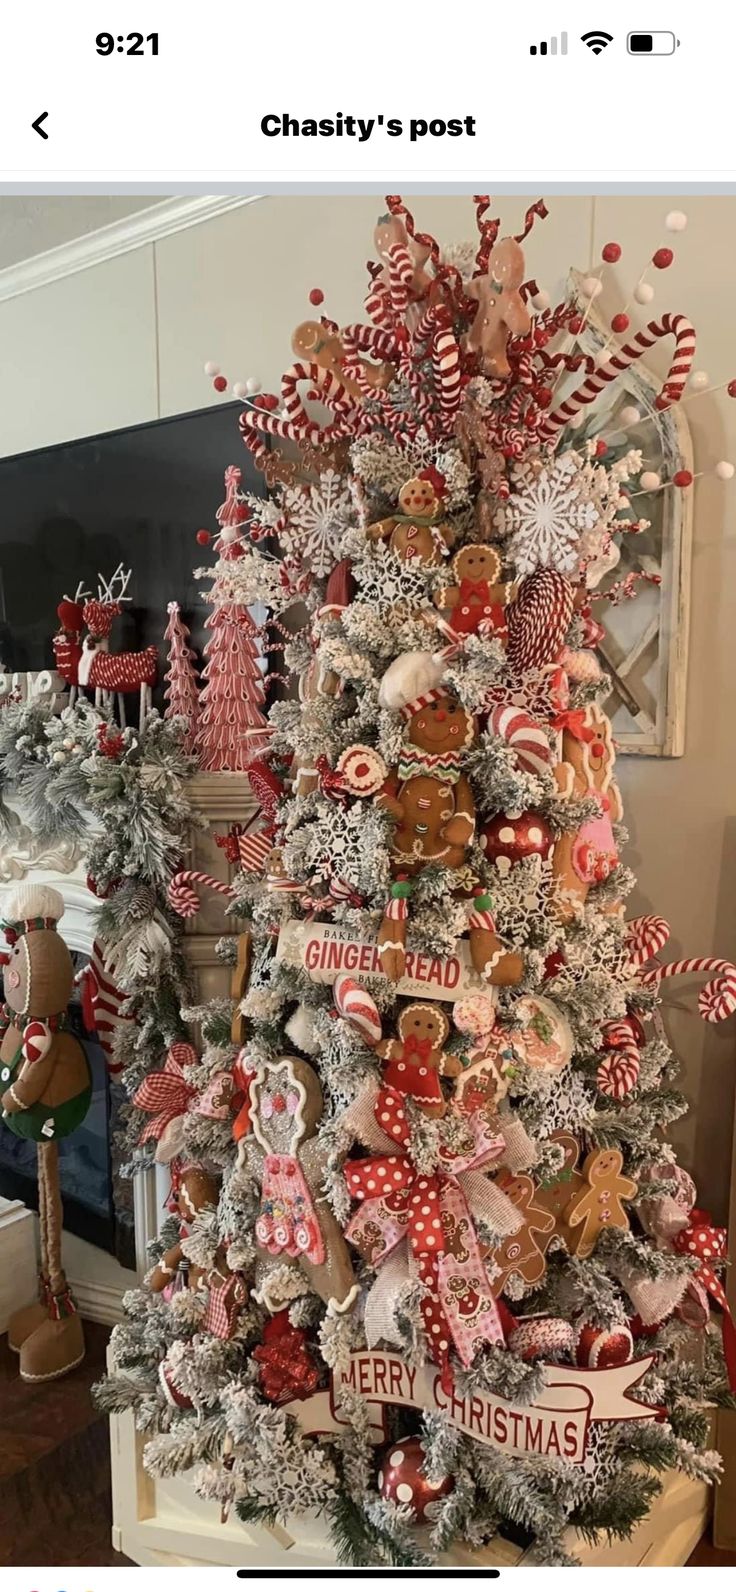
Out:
{"x": 501, "y": 308}
{"x": 295, "y": 1227}
{"x": 416, "y": 1060}
{"x": 523, "y": 1253}
{"x": 555, "y": 1193}
{"x": 597, "y": 1205}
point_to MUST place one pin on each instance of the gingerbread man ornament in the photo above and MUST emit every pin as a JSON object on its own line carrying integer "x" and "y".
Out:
{"x": 417, "y": 534}
{"x": 586, "y": 856}
{"x": 522, "y": 1254}
{"x": 317, "y": 344}
{"x": 476, "y": 603}
{"x": 597, "y": 1205}
{"x": 416, "y": 1060}
{"x": 501, "y": 308}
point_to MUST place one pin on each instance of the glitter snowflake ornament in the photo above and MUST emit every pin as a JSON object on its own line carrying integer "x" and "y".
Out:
{"x": 318, "y": 517}
{"x": 547, "y": 515}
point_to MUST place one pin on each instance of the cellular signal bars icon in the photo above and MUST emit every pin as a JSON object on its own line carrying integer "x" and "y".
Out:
{"x": 550, "y": 49}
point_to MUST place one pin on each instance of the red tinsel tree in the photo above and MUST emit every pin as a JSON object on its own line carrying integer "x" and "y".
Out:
{"x": 181, "y": 680}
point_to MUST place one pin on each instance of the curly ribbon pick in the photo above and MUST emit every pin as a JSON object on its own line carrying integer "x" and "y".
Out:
{"x": 709, "y": 1244}
{"x": 433, "y": 1213}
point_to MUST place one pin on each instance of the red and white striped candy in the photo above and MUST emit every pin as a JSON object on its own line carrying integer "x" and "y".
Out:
{"x": 538, "y": 620}
{"x": 528, "y": 741}
{"x": 183, "y": 897}
{"x": 36, "y": 1040}
{"x": 618, "y": 1073}
{"x": 357, "y": 1007}
{"x": 446, "y": 370}
{"x": 676, "y": 326}
{"x": 717, "y": 1000}
{"x": 645, "y": 938}
{"x": 254, "y": 849}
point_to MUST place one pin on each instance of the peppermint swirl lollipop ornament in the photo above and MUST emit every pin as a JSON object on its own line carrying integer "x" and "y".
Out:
{"x": 362, "y": 770}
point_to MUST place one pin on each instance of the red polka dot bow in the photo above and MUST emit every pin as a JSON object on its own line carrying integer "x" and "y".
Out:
{"x": 709, "y": 1245}
{"x": 432, "y": 1213}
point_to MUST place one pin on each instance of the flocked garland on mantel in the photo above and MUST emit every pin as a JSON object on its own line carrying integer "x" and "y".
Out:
{"x": 120, "y": 797}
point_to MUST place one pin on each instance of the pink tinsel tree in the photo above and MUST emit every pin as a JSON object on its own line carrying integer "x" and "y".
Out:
{"x": 181, "y": 680}
{"x": 231, "y": 726}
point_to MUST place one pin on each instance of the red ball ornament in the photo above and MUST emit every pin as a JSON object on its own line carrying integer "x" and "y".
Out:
{"x": 401, "y": 1480}
{"x": 731, "y": 389}
{"x": 662, "y": 259}
{"x": 620, "y": 323}
{"x": 516, "y": 838}
{"x": 643, "y": 1329}
{"x": 316, "y": 296}
{"x": 611, "y": 252}
{"x": 602, "y": 1347}
{"x": 220, "y": 383}
{"x": 554, "y": 964}
{"x": 543, "y": 397}
{"x": 576, "y": 324}
{"x": 683, "y": 478}
{"x": 601, "y": 449}
{"x": 204, "y": 538}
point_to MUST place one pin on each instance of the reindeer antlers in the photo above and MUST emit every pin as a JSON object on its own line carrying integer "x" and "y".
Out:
{"x": 106, "y": 589}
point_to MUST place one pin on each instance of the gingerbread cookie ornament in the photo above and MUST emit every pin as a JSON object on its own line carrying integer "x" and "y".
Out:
{"x": 295, "y": 1227}
{"x": 522, "y": 1254}
{"x": 416, "y": 1060}
{"x": 501, "y": 309}
{"x": 598, "y": 1204}
{"x": 476, "y": 603}
{"x": 417, "y": 533}
{"x": 317, "y": 343}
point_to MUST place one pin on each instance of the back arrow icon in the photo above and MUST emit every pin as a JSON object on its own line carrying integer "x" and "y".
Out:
{"x": 37, "y": 128}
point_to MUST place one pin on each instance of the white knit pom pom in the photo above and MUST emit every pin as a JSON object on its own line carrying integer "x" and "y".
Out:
{"x": 724, "y": 470}
{"x": 211, "y": 369}
{"x": 643, "y": 292}
{"x": 675, "y": 221}
{"x": 699, "y": 380}
{"x": 408, "y": 677}
{"x": 33, "y": 901}
{"x": 650, "y": 480}
{"x": 630, "y": 415}
{"x": 300, "y": 1029}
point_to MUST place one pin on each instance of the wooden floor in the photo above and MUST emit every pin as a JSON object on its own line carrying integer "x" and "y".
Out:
{"x": 55, "y": 1465}
{"x": 55, "y": 1469}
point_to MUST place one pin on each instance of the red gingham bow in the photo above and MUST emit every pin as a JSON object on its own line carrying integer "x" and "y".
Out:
{"x": 709, "y": 1245}
{"x": 166, "y": 1093}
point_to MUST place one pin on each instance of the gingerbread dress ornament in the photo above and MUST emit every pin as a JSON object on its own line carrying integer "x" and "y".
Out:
{"x": 46, "y": 1092}
{"x": 586, "y": 856}
{"x": 476, "y": 603}
{"x": 501, "y": 309}
{"x": 295, "y": 1227}
{"x": 418, "y": 533}
{"x": 416, "y": 1060}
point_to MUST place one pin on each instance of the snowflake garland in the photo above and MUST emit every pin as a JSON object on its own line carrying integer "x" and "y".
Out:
{"x": 547, "y": 515}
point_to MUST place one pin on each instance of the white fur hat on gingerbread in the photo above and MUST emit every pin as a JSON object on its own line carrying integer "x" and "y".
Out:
{"x": 411, "y": 681}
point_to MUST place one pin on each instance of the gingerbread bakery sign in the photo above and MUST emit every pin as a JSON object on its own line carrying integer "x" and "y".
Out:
{"x": 558, "y": 1422}
{"x": 327, "y": 949}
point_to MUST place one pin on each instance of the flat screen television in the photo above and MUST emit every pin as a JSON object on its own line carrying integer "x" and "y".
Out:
{"x": 136, "y": 496}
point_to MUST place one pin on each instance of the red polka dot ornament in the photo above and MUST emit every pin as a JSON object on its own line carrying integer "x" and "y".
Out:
{"x": 402, "y": 1480}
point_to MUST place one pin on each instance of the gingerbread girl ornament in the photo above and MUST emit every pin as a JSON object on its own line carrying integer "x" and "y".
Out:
{"x": 295, "y": 1227}
{"x": 501, "y": 309}
{"x": 417, "y": 533}
{"x": 476, "y": 603}
{"x": 416, "y": 1060}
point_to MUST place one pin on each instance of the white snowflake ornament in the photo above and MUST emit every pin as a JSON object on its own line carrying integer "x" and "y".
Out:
{"x": 547, "y": 515}
{"x": 318, "y": 517}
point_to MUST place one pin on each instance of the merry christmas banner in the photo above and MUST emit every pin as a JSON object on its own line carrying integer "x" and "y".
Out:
{"x": 557, "y": 1422}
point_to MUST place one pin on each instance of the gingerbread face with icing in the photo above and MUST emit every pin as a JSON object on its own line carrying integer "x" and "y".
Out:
{"x": 476, "y": 602}
{"x": 415, "y": 1060}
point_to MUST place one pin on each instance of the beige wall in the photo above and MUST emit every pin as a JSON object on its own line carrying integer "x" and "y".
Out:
{"x": 125, "y": 342}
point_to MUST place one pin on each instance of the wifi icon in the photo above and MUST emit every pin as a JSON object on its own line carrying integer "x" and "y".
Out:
{"x": 596, "y": 40}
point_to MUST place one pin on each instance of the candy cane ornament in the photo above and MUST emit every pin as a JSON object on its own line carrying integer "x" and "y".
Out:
{"x": 677, "y": 326}
{"x": 645, "y": 938}
{"x": 717, "y": 1000}
{"x": 357, "y": 1007}
{"x": 183, "y": 897}
{"x": 618, "y": 1073}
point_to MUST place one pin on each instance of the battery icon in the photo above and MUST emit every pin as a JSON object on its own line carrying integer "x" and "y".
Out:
{"x": 661, "y": 43}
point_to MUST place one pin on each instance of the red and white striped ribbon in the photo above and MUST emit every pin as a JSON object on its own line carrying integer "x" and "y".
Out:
{"x": 183, "y": 897}
{"x": 677, "y": 326}
{"x": 101, "y": 1002}
{"x": 717, "y": 1000}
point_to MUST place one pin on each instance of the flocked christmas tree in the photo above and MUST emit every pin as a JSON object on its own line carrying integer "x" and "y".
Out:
{"x": 426, "y": 1160}
{"x": 231, "y": 727}
{"x": 181, "y": 677}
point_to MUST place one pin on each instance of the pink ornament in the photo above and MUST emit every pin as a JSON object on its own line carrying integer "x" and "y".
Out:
{"x": 599, "y": 1348}
{"x": 401, "y": 1480}
{"x": 516, "y": 838}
